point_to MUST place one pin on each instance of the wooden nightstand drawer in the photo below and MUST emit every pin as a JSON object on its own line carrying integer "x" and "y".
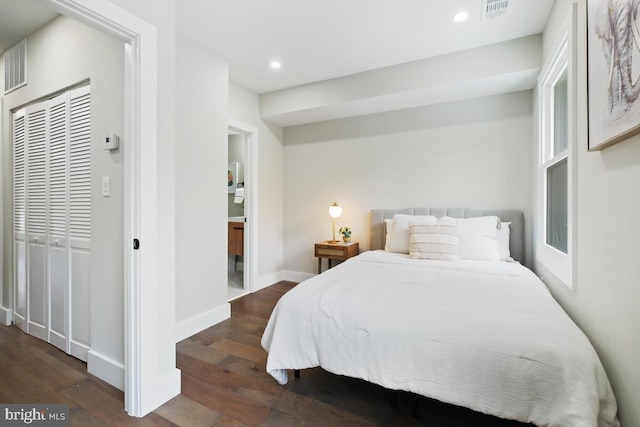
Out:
{"x": 330, "y": 251}
{"x": 340, "y": 251}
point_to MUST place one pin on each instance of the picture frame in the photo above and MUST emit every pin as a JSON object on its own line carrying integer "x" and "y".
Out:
{"x": 232, "y": 177}
{"x": 613, "y": 83}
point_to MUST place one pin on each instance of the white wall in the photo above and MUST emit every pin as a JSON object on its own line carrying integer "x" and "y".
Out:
{"x": 605, "y": 301}
{"x": 201, "y": 189}
{"x": 244, "y": 105}
{"x": 52, "y": 67}
{"x": 473, "y": 153}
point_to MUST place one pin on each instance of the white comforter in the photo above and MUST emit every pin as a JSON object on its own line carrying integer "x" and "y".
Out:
{"x": 484, "y": 335}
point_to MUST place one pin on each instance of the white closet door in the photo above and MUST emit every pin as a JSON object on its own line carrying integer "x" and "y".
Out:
{"x": 58, "y": 253}
{"x": 19, "y": 220}
{"x": 52, "y": 220}
{"x": 80, "y": 220}
{"x": 36, "y": 136}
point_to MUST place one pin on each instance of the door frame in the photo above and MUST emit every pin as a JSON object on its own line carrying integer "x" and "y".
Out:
{"x": 6, "y": 308}
{"x": 250, "y": 200}
{"x": 147, "y": 295}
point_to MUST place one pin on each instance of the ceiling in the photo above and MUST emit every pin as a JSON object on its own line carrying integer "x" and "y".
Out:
{"x": 19, "y": 18}
{"x": 319, "y": 40}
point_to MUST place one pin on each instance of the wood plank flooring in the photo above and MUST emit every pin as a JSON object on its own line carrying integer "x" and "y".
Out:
{"x": 224, "y": 383}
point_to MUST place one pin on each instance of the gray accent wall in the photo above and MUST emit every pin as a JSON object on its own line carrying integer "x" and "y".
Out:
{"x": 473, "y": 153}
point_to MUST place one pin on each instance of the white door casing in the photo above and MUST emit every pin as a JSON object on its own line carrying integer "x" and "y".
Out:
{"x": 19, "y": 221}
{"x": 250, "y": 200}
{"x": 146, "y": 317}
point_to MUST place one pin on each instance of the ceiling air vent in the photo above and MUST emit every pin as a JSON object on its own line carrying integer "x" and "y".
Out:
{"x": 494, "y": 8}
{"x": 15, "y": 67}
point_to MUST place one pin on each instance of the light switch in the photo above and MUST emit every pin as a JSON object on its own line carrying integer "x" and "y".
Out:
{"x": 106, "y": 186}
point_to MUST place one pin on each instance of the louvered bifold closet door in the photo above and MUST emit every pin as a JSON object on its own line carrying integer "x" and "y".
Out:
{"x": 36, "y": 164}
{"x": 80, "y": 219}
{"x": 52, "y": 220}
{"x": 19, "y": 220}
{"x": 57, "y": 225}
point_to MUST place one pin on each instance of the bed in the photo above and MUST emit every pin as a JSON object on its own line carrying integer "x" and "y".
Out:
{"x": 483, "y": 335}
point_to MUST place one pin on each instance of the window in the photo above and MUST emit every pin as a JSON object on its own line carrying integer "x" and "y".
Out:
{"x": 556, "y": 91}
{"x": 555, "y": 161}
{"x": 557, "y": 206}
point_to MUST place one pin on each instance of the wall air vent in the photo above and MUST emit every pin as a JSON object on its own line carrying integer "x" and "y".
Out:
{"x": 15, "y": 67}
{"x": 494, "y": 8}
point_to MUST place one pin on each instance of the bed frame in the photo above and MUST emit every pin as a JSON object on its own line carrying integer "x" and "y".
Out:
{"x": 516, "y": 217}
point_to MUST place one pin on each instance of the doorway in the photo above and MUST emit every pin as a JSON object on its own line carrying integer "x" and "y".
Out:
{"x": 236, "y": 185}
{"x": 242, "y": 190}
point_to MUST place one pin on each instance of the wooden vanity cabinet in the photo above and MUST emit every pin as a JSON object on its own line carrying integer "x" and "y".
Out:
{"x": 236, "y": 238}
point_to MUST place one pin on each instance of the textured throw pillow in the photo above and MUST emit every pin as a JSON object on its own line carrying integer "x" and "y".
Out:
{"x": 400, "y": 232}
{"x": 430, "y": 240}
{"x": 388, "y": 226}
{"x": 478, "y": 238}
{"x": 503, "y": 240}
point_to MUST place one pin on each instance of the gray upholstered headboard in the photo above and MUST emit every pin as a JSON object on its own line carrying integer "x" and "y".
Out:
{"x": 516, "y": 242}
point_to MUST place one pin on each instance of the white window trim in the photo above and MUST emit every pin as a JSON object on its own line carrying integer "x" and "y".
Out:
{"x": 555, "y": 261}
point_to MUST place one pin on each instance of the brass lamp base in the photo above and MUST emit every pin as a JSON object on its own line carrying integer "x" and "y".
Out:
{"x": 333, "y": 242}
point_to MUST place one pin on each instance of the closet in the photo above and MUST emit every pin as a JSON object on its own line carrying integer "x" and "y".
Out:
{"x": 52, "y": 220}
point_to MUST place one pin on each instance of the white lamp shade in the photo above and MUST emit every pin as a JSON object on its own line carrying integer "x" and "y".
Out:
{"x": 335, "y": 210}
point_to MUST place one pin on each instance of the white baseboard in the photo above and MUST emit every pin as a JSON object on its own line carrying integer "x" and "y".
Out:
{"x": 267, "y": 280}
{"x": 161, "y": 390}
{"x": 202, "y": 321}
{"x": 165, "y": 388}
{"x": 278, "y": 276}
{"x": 79, "y": 350}
{"x": 295, "y": 276}
{"x": 106, "y": 369}
{"x": 6, "y": 316}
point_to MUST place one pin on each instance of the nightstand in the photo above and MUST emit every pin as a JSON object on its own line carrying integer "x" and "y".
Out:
{"x": 340, "y": 251}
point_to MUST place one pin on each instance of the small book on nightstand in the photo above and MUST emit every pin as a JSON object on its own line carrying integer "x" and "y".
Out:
{"x": 345, "y": 243}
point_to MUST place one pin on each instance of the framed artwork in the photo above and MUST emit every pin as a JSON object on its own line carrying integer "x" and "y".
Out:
{"x": 613, "y": 58}
{"x": 232, "y": 178}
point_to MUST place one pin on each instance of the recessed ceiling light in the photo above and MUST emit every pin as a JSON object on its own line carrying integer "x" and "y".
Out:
{"x": 461, "y": 16}
{"x": 275, "y": 65}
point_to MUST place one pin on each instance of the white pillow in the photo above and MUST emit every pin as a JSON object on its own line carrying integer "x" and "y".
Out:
{"x": 433, "y": 241}
{"x": 503, "y": 240}
{"x": 478, "y": 238}
{"x": 400, "y": 232}
{"x": 388, "y": 226}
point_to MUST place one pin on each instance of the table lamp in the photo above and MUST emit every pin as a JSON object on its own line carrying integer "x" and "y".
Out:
{"x": 335, "y": 210}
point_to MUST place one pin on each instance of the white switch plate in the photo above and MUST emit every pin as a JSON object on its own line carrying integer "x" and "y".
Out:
{"x": 106, "y": 186}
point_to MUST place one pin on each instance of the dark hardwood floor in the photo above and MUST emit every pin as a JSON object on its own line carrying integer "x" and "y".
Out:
{"x": 224, "y": 383}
